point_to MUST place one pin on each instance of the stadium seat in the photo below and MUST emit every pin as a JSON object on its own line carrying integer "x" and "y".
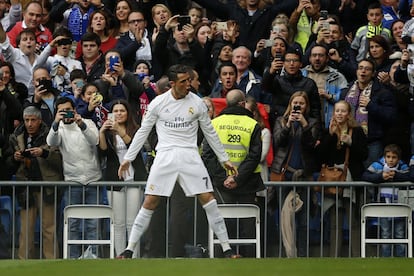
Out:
{"x": 87, "y": 212}
{"x": 386, "y": 210}
{"x": 238, "y": 211}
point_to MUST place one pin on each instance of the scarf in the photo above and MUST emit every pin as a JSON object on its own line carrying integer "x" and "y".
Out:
{"x": 360, "y": 112}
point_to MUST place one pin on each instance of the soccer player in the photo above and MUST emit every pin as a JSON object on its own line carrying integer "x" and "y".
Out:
{"x": 177, "y": 115}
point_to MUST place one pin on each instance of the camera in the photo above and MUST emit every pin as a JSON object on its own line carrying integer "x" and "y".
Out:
{"x": 324, "y": 14}
{"x": 46, "y": 84}
{"x": 112, "y": 61}
{"x": 183, "y": 20}
{"x": 269, "y": 43}
{"x": 69, "y": 114}
{"x": 64, "y": 41}
{"x": 26, "y": 153}
{"x": 278, "y": 56}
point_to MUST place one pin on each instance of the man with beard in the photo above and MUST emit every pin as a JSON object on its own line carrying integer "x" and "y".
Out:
{"x": 283, "y": 86}
{"x": 374, "y": 107}
{"x": 77, "y": 139}
{"x": 329, "y": 81}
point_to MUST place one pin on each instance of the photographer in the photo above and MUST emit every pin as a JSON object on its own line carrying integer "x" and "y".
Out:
{"x": 341, "y": 57}
{"x": 32, "y": 159}
{"x": 44, "y": 94}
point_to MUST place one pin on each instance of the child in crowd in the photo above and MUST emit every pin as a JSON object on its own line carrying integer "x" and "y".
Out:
{"x": 390, "y": 168}
{"x": 360, "y": 43}
{"x": 61, "y": 64}
{"x": 77, "y": 81}
{"x": 196, "y": 15}
{"x": 142, "y": 71}
{"x": 90, "y": 106}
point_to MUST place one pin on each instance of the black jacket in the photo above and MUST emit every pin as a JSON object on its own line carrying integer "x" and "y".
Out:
{"x": 283, "y": 86}
{"x": 247, "y": 180}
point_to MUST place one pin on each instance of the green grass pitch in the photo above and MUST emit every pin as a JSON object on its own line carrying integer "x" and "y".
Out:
{"x": 211, "y": 267}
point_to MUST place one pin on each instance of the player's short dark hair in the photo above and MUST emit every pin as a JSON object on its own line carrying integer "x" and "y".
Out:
{"x": 393, "y": 148}
{"x": 176, "y": 69}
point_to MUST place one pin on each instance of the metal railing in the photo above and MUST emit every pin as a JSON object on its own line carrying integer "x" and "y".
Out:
{"x": 315, "y": 217}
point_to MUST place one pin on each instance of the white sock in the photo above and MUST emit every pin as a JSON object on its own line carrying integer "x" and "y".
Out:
{"x": 216, "y": 222}
{"x": 140, "y": 225}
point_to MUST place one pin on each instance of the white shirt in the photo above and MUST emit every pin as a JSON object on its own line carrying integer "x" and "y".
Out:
{"x": 22, "y": 66}
{"x": 176, "y": 123}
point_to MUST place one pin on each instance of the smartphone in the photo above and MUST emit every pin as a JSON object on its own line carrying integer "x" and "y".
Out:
{"x": 269, "y": 43}
{"x": 111, "y": 117}
{"x": 69, "y": 114}
{"x": 221, "y": 26}
{"x": 324, "y": 14}
{"x": 183, "y": 20}
{"x": 26, "y": 153}
{"x": 296, "y": 108}
{"x": 278, "y": 56}
{"x": 112, "y": 61}
{"x": 64, "y": 41}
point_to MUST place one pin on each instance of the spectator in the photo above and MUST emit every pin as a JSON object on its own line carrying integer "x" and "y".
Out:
{"x": 24, "y": 58}
{"x": 77, "y": 140}
{"x": 168, "y": 133}
{"x": 408, "y": 29}
{"x": 18, "y": 89}
{"x": 10, "y": 114}
{"x": 244, "y": 153}
{"x": 247, "y": 80}
{"x": 304, "y": 20}
{"x": 360, "y": 42}
{"x": 343, "y": 133}
{"x": 32, "y": 16}
{"x": 373, "y": 107}
{"x": 46, "y": 20}
{"x": 142, "y": 71}
{"x": 74, "y": 15}
{"x": 380, "y": 51}
{"x": 389, "y": 168}
{"x": 122, "y": 10}
{"x": 341, "y": 56}
{"x": 90, "y": 106}
{"x": 224, "y": 55}
{"x": 160, "y": 15}
{"x": 61, "y": 64}
{"x": 44, "y": 96}
{"x": 115, "y": 137}
{"x": 99, "y": 24}
{"x": 182, "y": 49}
{"x": 329, "y": 81}
{"x": 196, "y": 16}
{"x": 136, "y": 44}
{"x": 396, "y": 29}
{"x": 282, "y": 87}
{"x": 226, "y": 81}
{"x": 10, "y": 12}
{"x": 390, "y": 10}
{"x": 266, "y": 54}
{"x": 33, "y": 160}
{"x": 92, "y": 59}
{"x": 118, "y": 83}
{"x": 294, "y": 139}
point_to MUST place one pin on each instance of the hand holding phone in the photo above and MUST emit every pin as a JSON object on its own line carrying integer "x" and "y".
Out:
{"x": 183, "y": 20}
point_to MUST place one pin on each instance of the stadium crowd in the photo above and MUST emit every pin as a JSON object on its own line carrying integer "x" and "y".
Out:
{"x": 324, "y": 80}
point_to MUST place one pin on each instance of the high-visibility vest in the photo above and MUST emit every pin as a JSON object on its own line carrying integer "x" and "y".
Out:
{"x": 235, "y": 133}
